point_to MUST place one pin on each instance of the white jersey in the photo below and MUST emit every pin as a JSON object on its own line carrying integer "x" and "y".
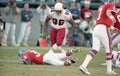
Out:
{"x": 59, "y": 21}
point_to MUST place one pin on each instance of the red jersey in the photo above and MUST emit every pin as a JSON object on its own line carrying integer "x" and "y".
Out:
{"x": 117, "y": 17}
{"x": 34, "y": 56}
{"x": 102, "y": 18}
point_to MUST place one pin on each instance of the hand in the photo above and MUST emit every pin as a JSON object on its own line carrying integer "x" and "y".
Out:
{"x": 17, "y": 10}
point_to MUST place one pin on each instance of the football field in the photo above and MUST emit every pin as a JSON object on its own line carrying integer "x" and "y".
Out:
{"x": 11, "y": 65}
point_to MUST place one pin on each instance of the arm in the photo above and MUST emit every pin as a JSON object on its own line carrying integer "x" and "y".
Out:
{"x": 31, "y": 15}
{"x": 109, "y": 14}
{"x": 72, "y": 28}
{"x": 17, "y": 10}
{"x": 38, "y": 10}
{"x": 6, "y": 10}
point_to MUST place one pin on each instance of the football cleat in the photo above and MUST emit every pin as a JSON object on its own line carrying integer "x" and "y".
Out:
{"x": 84, "y": 70}
{"x": 111, "y": 73}
{"x": 72, "y": 61}
{"x": 68, "y": 62}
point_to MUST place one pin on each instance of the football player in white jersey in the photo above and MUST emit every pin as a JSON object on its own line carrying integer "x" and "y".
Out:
{"x": 58, "y": 17}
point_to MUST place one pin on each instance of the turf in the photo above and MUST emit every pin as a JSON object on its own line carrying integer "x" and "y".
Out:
{"x": 11, "y": 65}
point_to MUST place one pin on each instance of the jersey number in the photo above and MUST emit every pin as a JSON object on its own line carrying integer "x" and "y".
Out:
{"x": 60, "y": 22}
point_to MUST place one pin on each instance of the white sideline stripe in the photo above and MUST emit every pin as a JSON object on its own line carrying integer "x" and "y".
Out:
{"x": 8, "y": 60}
{"x": 2, "y": 48}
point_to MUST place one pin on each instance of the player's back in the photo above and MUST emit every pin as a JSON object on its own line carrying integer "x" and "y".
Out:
{"x": 34, "y": 56}
{"x": 102, "y": 17}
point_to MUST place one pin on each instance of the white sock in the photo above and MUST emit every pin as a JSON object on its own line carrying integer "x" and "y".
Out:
{"x": 109, "y": 65}
{"x": 86, "y": 61}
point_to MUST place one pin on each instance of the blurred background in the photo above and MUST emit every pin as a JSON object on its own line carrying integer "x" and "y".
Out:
{"x": 33, "y": 4}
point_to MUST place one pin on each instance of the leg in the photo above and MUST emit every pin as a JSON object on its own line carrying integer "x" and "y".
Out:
{"x": 107, "y": 42}
{"x": 90, "y": 55}
{"x": 26, "y": 36}
{"x": 56, "y": 37}
{"x": 5, "y": 34}
{"x": 60, "y": 37}
{"x": 22, "y": 32}
{"x": 50, "y": 58}
{"x": 93, "y": 52}
{"x": 13, "y": 27}
{"x": 63, "y": 55}
{"x": 53, "y": 34}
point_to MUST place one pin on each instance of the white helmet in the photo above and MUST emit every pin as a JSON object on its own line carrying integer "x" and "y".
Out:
{"x": 58, "y": 7}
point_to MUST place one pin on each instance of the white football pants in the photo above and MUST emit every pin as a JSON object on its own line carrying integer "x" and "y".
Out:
{"x": 101, "y": 34}
{"x": 54, "y": 58}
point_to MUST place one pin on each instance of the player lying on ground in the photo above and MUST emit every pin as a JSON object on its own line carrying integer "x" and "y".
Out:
{"x": 51, "y": 58}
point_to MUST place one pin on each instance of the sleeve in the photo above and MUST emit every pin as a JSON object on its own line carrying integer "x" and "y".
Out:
{"x": 6, "y": 10}
{"x": 38, "y": 10}
{"x": 31, "y": 15}
{"x": 68, "y": 15}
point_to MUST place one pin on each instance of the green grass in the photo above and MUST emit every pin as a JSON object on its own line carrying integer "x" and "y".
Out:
{"x": 11, "y": 65}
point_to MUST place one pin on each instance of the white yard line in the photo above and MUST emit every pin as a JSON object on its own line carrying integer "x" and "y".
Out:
{"x": 5, "y": 60}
